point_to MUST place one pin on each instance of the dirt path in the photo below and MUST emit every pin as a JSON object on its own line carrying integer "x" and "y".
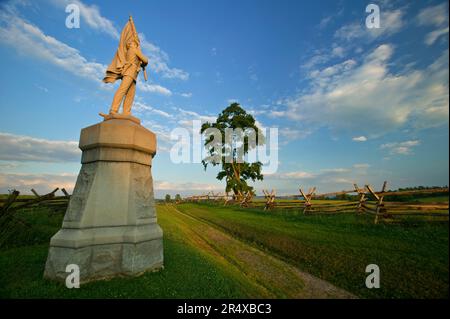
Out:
{"x": 270, "y": 275}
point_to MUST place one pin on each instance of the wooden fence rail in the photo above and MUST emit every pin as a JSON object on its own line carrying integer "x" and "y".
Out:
{"x": 368, "y": 201}
{"x": 11, "y": 204}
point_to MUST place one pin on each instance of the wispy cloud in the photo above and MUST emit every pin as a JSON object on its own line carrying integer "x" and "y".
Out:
{"x": 290, "y": 134}
{"x": 296, "y": 175}
{"x": 361, "y": 138}
{"x": 26, "y": 148}
{"x": 91, "y": 15}
{"x": 370, "y": 98}
{"x": 186, "y": 95}
{"x": 159, "y": 61}
{"x": 436, "y": 16}
{"x": 400, "y": 148}
{"x": 182, "y": 186}
{"x": 29, "y": 40}
{"x": 361, "y": 165}
{"x": 42, "y": 183}
{"x": 175, "y": 118}
{"x": 140, "y": 107}
{"x": 432, "y": 37}
{"x": 42, "y": 88}
{"x": 153, "y": 88}
{"x": 390, "y": 23}
{"x": 329, "y": 179}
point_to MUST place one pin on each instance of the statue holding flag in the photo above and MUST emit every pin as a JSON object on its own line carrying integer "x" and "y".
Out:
{"x": 126, "y": 65}
{"x": 110, "y": 227}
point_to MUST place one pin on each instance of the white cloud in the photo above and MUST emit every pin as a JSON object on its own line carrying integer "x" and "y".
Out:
{"x": 350, "y": 31}
{"x": 42, "y": 88}
{"x": 431, "y": 37}
{"x": 90, "y": 14}
{"x": 362, "y": 165}
{"x": 275, "y": 113}
{"x": 332, "y": 179}
{"x": 290, "y": 134}
{"x": 186, "y": 95}
{"x": 368, "y": 97}
{"x": 335, "y": 170}
{"x": 318, "y": 58}
{"x": 338, "y": 51}
{"x": 29, "y": 40}
{"x": 230, "y": 101}
{"x": 292, "y": 175}
{"x": 42, "y": 183}
{"x": 436, "y": 16}
{"x": 153, "y": 88}
{"x": 400, "y": 148}
{"x": 159, "y": 60}
{"x": 172, "y": 186}
{"x": 162, "y": 132}
{"x": 390, "y": 23}
{"x": 322, "y": 77}
{"x": 27, "y": 148}
{"x": 177, "y": 117}
{"x": 325, "y": 21}
{"x": 361, "y": 138}
{"x": 141, "y": 108}
{"x": 187, "y": 115}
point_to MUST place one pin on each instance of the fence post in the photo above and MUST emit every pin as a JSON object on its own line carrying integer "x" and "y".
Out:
{"x": 270, "y": 199}
{"x": 10, "y": 200}
{"x": 380, "y": 206}
{"x": 35, "y": 193}
{"x": 362, "y": 199}
{"x": 307, "y": 198}
{"x": 65, "y": 192}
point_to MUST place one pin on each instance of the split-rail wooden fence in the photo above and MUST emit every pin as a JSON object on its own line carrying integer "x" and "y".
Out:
{"x": 368, "y": 201}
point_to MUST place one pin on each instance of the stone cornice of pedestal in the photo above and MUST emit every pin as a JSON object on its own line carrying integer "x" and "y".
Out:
{"x": 117, "y": 140}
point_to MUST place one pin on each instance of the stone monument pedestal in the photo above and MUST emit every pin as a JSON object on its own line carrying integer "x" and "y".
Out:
{"x": 110, "y": 227}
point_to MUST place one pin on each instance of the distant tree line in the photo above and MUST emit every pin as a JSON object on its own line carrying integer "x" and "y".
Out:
{"x": 412, "y": 197}
{"x": 398, "y": 198}
{"x": 168, "y": 198}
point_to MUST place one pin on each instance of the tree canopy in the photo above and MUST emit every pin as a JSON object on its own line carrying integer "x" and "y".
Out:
{"x": 238, "y": 135}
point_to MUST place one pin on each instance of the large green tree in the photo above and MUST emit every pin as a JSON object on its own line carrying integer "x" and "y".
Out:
{"x": 238, "y": 135}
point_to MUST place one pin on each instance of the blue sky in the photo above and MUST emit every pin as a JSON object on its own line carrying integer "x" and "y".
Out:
{"x": 351, "y": 104}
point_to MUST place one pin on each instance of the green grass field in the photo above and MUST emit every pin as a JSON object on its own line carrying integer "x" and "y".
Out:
{"x": 188, "y": 273}
{"x": 413, "y": 258}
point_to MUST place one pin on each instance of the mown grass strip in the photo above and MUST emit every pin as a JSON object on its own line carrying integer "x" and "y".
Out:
{"x": 413, "y": 257}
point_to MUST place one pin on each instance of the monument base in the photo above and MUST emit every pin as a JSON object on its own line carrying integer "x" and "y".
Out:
{"x": 110, "y": 227}
{"x": 106, "y": 261}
